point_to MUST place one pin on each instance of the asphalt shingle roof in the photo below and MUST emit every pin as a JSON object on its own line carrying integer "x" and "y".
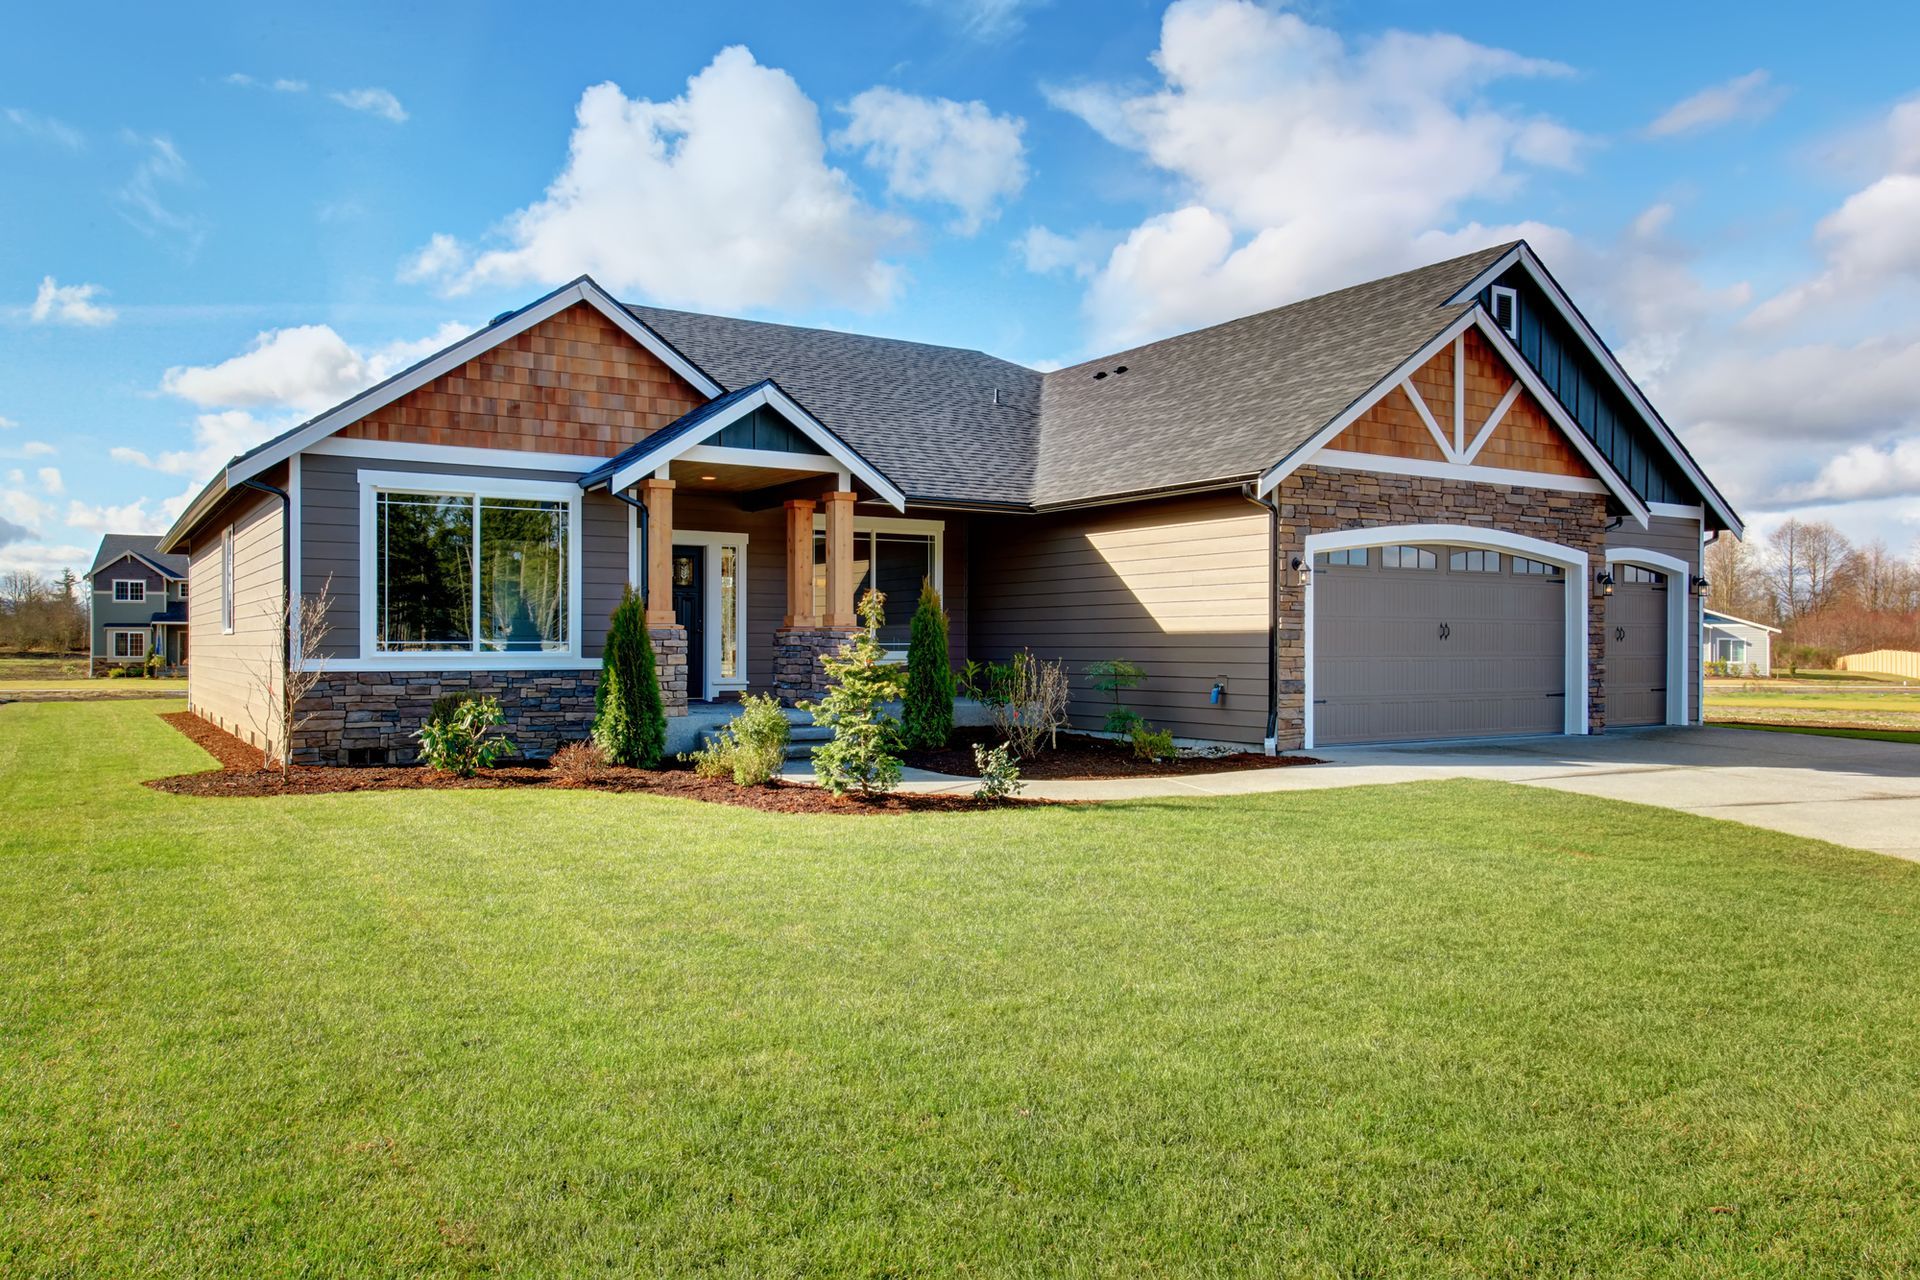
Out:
{"x": 115, "y": 545}
{"x": 1221, "y": 403}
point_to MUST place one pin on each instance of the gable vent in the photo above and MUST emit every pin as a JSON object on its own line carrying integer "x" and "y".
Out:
{"x": 1506, "y": 309}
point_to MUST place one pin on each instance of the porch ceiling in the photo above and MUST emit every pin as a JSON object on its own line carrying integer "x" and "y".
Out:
{"x": 727, "y": 477}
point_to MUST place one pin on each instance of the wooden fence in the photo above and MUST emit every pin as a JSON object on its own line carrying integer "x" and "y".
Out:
{"x": 1886, "y": 662}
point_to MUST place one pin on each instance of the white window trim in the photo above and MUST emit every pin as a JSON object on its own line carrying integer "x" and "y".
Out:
{"x": 1512, "y": 295}
{"x": 902, "y": 524}
{"x": 129, "y": 598}
{"x": 134, "y": 633}
{"x": 1678, "y": 571}
{"x": 710, "y": 544}
{"x": 1568, "y": 558}
{"x": 372, "y": 658}
{"x": 226, "y": 580}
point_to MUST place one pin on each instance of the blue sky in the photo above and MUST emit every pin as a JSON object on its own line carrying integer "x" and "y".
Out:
{"x": 212, "y": 226}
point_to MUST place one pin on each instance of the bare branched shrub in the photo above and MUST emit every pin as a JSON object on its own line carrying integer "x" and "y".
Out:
{"x": 579, "y": 764}
{"x": 1030, "y": 702}
{"x": 281, "y": 682}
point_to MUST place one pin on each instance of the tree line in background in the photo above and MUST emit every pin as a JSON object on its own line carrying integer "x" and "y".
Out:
{"x": 42, "y": 616}
{"x": 1827, "y": 596}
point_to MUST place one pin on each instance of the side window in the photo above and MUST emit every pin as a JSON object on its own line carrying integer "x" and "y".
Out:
{"x": 1408, "y": 558}
{"x": 226, "y": 580}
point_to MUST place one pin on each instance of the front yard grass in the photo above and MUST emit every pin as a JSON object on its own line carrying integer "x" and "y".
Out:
{"x": 1840, "y": 706}
{"x": 1457, "y": 1028}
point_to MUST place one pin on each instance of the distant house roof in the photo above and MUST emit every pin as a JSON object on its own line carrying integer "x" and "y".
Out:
{"x": 1712, "y": 616}
{"x": 141, "y": 547}
{"x": 175, "y": 612}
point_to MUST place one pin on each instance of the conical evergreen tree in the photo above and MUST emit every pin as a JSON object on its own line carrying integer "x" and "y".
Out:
{"x": 926, "y": 721}
{"x": 630, "y": 723}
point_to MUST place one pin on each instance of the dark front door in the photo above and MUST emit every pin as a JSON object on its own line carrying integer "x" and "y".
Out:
{"x": 690, "y": 611}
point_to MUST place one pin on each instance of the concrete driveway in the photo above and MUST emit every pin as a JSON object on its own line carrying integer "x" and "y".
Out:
{"x": 1863, "y": 794}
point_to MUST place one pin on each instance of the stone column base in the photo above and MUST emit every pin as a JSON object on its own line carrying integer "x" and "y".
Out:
{"x": 670, "y": 664}
{"x": 797, "y": 673}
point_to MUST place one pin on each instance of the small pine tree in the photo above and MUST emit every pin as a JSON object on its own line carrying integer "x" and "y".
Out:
{"x": 863, "y": 750}
{"x": 927, "y": 721}
{"x": 629, "y": 723}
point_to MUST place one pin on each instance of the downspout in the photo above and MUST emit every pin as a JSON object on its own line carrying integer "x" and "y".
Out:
{"x": 641, "y": 507}
{"x": 1272, "y": 509}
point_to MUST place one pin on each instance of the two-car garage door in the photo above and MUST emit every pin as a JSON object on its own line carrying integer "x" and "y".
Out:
{"x": 1433, "y": 641}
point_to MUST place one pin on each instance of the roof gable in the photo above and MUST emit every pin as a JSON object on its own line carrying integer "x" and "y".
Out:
{"x": 145, "y": 548}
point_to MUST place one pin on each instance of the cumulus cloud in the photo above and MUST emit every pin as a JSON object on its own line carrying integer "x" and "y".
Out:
{"x": 8, "y": 424}
{"x": 1306, "y": 162}
{"x": 26, "y": 508}
{"x": 37, "y": 449}
{"x": 58, "y": 303}
{"x": 440, "y": 258}
{"x": 1752, "y": 96}
{"x": 307, "y": 367}
{"x": 44, "y": 559}
{"x": 1864, "y": 472}
{"x": 936, "y": 149}
{"x": 1816, "y": 392}
{"x": 51, "y": 482}
{"x": 44, "y": 128}
{"x": 377, "y": 102}
{"x": 131, "y": 517}
{"x": 719, "y": 198}
{"x": 1046, "y": 251}
{"x": 217, "y": 438}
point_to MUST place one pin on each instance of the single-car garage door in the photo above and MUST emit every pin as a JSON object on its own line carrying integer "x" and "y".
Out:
{"x": 1637, "y": 647}
{"x": 1429, "y": 641}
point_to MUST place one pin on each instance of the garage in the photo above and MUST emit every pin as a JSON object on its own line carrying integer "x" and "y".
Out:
{"x": 1414, "y": 642}
{"x": 1637, "y": 647}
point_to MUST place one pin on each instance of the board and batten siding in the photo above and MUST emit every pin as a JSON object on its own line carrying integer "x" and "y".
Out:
{"x": 1678, "y": 537}
{"x": 227, "y": 679}
{"x": 330, "y": 543}
{"x": 1178, "y": 586}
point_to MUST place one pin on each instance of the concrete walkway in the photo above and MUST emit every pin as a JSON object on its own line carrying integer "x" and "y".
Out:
{"x": 1851, "y": 792}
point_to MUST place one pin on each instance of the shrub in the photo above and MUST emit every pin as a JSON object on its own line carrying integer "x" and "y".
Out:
{"x": 116, "y": 673}
{"x": 1150, "y": 743}
{"x": 927, "y": 719}
{"x": 465, "y": 742}
{"x": 1112, "y": 676}
{"x": 999, "y": 775}
{"x": 750, "y": 748}
{"x": 1029, "y": 702}
{"x": 579, "y": 764}
{"x": 865, "y": 746}
{"x": 154, "y": 665}
{"x": 446, "y": 705}
{"x": 629, "y": 723}
{"x": 975, "y": 680}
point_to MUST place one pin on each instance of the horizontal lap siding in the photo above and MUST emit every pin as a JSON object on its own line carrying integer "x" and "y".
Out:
{"x": 225, "y": 679}
{"x": 1680, "y": 538}
{"x": 1178, "y": 586}
{"x": 330, "y": 543}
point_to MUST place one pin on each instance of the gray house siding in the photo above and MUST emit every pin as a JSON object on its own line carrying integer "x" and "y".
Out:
{"x": 1678, "y": 537}
{"x": 110, "y": 615}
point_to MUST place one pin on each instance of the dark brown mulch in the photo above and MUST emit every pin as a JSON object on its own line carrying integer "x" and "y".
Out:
{"x": 1079, "y": 756}
{"x": 240, "y": 774}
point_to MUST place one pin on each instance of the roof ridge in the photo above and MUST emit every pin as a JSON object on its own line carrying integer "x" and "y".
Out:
{"x": 641, "y": 308}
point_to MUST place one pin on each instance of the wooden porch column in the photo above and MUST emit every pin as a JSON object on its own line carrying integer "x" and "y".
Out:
{"x": 839, "y": 559}
{"x": 658, "y": 495}
{"x": 800, "y": 564}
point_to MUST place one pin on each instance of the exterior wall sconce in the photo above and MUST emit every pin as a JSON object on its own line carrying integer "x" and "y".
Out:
{"x": 1302, "y": 571}
{"x": 1699, "y": 584}
{"x": 1605, "y": 580}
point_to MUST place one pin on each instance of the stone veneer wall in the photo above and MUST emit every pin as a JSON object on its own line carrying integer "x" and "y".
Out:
{"x": 670, "y": 665}
{"x": 1326, "y": 499}
{"x": 797, "y": 673}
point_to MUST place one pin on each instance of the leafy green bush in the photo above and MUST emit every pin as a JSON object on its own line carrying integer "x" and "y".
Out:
{"x": 927, "y": 718}
{"x": 999, "y": 775}
{"x": 116, "y": 673}
{"x": 447, "y": 704}
{"x": 975, "y": 680}
{"x": 465, "y": 742}
{"x": 750, "y": 748}
{"x": 1150, "y": 743}
{"x": 1112, "y": 676}
{"x": 629, "y": 722}
{"x": 864, "y": 751}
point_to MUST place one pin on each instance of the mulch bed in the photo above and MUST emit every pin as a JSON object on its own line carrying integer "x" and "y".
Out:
{"x": 1081, "y": 757}
{"x": 240, "y": 774}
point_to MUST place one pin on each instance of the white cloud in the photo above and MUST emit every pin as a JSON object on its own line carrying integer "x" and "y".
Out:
{"x": 279, "y": 85}
{"x": 51, "y": 482}
{"x": 1046, "y": 251}
{"x": 956, "y": 153}
{"x": 58, "y": 303}
{"x": 45, "y": 560}
{"x": 142, "y": 202}
{"x": 8, "y": 424}
{"x": 378, "y": 102}
{"x": 27, "y": 508}
{"x": 719, "y": 198}
{"x": 37, "y": 449}
{"x": 983, "y": 19}
{"x": 131, "y": 517}
{"x": 217, "y": 438}
{"x": 442, "y": 257}
{"x": 44, "y": 128}
{"x": 1818, "y": 393}
{"x": 303, "y": 368}
{"x": 1306, "y": 163}
{"x": 1865, "y": 472}
{"x": 1752, "y": 96}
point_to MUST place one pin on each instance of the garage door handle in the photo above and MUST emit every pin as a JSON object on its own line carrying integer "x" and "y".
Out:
{"x": 1446, "y": 631}
{"x": 1619, "y": 633}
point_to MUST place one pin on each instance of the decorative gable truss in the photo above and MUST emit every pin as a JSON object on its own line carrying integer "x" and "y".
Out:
{"x": 1465, "y": 406}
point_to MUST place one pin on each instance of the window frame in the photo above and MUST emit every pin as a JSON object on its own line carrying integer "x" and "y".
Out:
{"x": 1490, "y": 561}
{"x": 1512, "y": 327}
{"x": 226, "y": 580}
{"x": 118, "y": 637}
{"x": 477, "y": 487}
{"x": 130, "y": 584}
{"x": 1416, "y": 567}
{"x": 711, "y": 544}
{"x": 900, "y": 524}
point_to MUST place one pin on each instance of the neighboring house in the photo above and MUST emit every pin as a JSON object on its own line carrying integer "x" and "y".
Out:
{"x": 1740, "y": 646}
{"x": 139, "y": 604}
{"x": 1430, "y": 506}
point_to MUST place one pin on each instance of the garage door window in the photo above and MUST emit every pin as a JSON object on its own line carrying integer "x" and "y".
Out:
{"x": 1356, "y": 556}
{"x": 1408, "y": 558}
{"x": 1523, "y": 565}
{"x": 1474, "y": 562}
{"x": 1634, "y": 573}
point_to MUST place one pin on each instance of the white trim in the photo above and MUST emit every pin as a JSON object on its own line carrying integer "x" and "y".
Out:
{"x": 1523, "y": 255}
{"x": 1679, "y": 588}
{"x": 1493, "y": 422}
{"x": 1729, "y": 619}
{"x": 1678, "y": 511}
{"x": 711, "y": 543}
{"x": 1512, "y": 295}
{"x": 727, "y": 455}
{"x": 1460, "y": 398}
{"x": 372, "y": 483}
{"x": 449, "y": 455}
{"x": 227, "y": 569}
{"x": 129, "y": 598}
{"x": 292, "y": 534}
{"x": 1572, "y": 560}
{"x": 899, "y": 524}
{"x": 769, "y": 396}
{"x": 1455, "y": 471}
{"x": 582, "y": 290}
{"x": 146, "y": 643}
{"x": 1426, "y": 416}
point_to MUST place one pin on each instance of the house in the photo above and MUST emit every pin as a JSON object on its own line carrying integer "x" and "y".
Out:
{"x": 139, "y": 604}
{"x": 1738, "y": 646}
{"x": 1428, "y": 506}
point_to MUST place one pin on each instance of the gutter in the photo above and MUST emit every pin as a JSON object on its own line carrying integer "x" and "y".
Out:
{"x": 1272, "y": 509}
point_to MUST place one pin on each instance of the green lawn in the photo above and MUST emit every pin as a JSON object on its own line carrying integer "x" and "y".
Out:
{"x": 1896, "y": 711}
{"x": 1463, "y": 1029}
{"x": 69, "y": 672}
{"x": 1872, "y": 735}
